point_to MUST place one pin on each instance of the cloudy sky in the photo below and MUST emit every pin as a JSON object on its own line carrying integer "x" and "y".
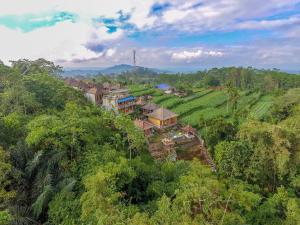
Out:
{"x": 165, "y": 33}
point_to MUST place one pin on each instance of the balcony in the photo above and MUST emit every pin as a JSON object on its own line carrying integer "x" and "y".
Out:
{"x": 126, "y": 105}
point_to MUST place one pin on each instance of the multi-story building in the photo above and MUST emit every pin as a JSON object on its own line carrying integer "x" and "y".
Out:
{"x": 119, "y": 101}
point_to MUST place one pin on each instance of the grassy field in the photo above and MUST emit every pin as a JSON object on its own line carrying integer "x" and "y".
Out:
{"x": 207, "y": 103}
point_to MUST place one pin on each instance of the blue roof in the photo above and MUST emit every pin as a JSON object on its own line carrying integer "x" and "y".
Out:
{"x": 163, "y": 86}
{"x": 129, "y": 98}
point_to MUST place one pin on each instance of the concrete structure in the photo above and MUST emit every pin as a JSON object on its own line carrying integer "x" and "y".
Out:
{"x": 95, "y": 94}
{"x": 119, "y": 101}
{"x": 162, "y": 118}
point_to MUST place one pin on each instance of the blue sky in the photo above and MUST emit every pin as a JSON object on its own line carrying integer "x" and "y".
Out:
{"x": 165, "y": 33}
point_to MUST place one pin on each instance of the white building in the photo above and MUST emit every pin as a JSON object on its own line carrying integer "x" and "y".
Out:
{"x": 120, "y": 101}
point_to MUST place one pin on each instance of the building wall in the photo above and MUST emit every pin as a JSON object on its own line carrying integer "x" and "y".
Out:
{"x": 109, "y": 103}
{"x": 162, "y": 124}
{"x": 90, "y": 97}
{"x": 154, "y": 121}
{"x": 170, "y": 122}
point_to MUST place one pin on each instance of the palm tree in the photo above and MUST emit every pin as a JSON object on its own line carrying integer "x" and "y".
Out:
{"x": 233, "y": 96}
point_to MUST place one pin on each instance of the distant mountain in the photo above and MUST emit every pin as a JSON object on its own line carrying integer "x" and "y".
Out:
{"x": 81, "y": 72}
{"x": 118, "y": 69}
{"x": 113, "y": 70}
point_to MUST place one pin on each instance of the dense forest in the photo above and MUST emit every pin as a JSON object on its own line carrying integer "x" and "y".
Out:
{"x": 64, "y": 161}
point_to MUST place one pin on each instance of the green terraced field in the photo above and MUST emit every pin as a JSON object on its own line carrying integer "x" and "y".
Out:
{"x": 136, "y": 88}
{"x": 262, "y": 107}
{"x": 197, "y": 95}
{"x": 207, "y": 103}
{"x": 246, "y": 101}
{"x": 161, "y": 98}
{"x": 212, "y": 99}
{"x": 168, "y": 103}
{"x": 144, "y": 92}
{"x": 207, "y": 113}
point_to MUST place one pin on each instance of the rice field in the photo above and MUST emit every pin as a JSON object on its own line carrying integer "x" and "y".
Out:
{"x": 146, "y": 91}
{"x": 137, "y": 88}
{"x": 262, "y": 107}
{"x": 212, "y": 99}
{"x": 207, "y": 104}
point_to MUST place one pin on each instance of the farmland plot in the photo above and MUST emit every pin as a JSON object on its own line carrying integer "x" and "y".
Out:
{"x": 137, "y": 88}
{"x": 160, "y": 99}
{"x": 197, "y": 95}
{"x": 262, "y": 107}
{"x": 246, "y": 101}
{"x": 210, "y": 100}
{"x": 168, "y": 103}
{"x": 144, "y": 92}
{"x": 207, "y": 113}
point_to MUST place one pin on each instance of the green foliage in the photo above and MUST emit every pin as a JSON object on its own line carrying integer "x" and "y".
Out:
{"x": 273, "y": 152}
{"x": 18, "y": 99}
{"x": 25, "y": 67}
{"x": 5, "y": 217}
{"x": 68, "y": 162}
{"x": 232, "y": 157}
{"x": 51, "y": 92}
{"x": 216, "y": 130}
{"x": 99, "y": 199}
{"x": 65, "y": 209}
{"x": 284, "y": 104}
{"x": 6, "y": 170}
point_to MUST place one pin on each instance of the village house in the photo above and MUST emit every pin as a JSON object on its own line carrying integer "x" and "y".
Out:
{"x": 78, "y": 84}
{"x": 140, "y": 100}
{"x": 149, "y": 108}
{"x": 167, "y": 89}
{"x": 147, "y": 127}
{"x": 108, "y": 87}
{"x": 180, "y": 94}
{"x": 162, "y": 118}
{"x": 119, "y": 101}
{"x": 95, "y": 94}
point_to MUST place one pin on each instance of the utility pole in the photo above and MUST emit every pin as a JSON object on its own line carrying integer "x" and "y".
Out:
{"x": 134, "y": 58}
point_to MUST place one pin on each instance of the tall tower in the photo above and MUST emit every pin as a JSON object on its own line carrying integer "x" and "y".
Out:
{"x": 134, "y": 57}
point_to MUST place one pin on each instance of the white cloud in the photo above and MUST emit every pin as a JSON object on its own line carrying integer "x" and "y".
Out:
{"x": 110, "y": 52}
{"x": 187, "y": 55}
{"x": 269, "y": 24}
{"x": 190, "y": 55}
{"x": 223, "y": 15}
{"x": 65, "y": 41}
{"x": 138, "y": 9}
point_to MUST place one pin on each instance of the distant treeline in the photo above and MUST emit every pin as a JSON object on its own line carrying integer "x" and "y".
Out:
{"x": 237, "y": 77}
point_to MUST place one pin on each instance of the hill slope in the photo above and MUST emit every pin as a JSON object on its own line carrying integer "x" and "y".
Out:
{"x": 113, "y": 70}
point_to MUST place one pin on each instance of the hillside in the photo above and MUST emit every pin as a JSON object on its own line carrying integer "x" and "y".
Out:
{"x": 65, "y": 161}
{"x": 113, "y": 70}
